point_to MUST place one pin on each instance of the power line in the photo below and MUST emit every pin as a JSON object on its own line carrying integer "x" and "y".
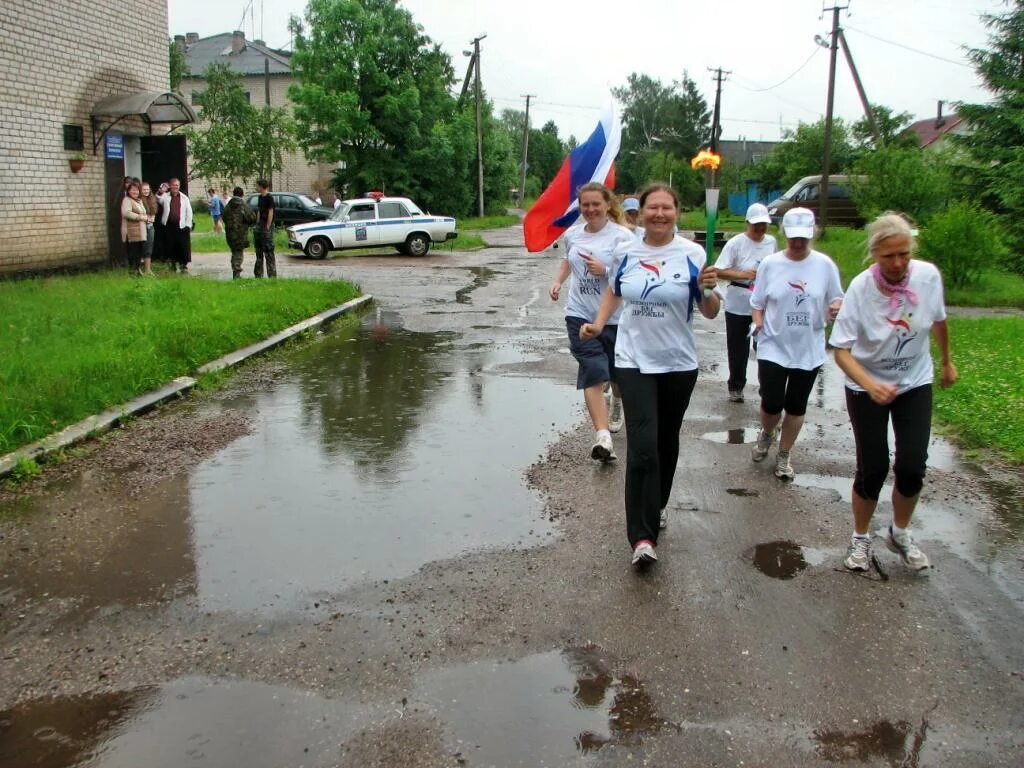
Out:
{"x": 908, "y": 48}
{"x": 783, "y": 82}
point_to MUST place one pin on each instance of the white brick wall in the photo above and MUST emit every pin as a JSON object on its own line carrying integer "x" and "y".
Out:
{"x": 57, "y": 59}
{"x": 298, "y": 174}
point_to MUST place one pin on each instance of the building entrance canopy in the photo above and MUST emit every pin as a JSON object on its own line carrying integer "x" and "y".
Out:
{"x": 155, "y": 108}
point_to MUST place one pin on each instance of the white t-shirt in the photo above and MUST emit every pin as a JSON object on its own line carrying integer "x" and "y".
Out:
{"x": 893, "y": 351}
{"x": 654, "y": 334}
{"x": 742, "y": 253}
{"x": 587, "y": 290}
{"x": 794, "y": 296}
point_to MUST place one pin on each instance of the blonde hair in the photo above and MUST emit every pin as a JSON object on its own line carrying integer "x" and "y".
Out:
{"x": 890, "y": 224}
{"x": 615, "y": 212}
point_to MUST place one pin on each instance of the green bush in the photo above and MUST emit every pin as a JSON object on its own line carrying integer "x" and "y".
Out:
{"x": 899, "y": 179}
{"x": 963, "y": 241}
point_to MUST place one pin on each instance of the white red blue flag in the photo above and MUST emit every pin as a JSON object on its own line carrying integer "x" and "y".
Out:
{"x": 593, "y": 160}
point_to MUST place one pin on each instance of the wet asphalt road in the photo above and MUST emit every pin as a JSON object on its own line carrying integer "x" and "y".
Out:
{"x": 388, "y": 547}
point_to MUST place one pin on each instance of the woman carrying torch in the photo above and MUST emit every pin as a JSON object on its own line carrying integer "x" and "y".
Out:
{"x": 657, "y": 282}
{"x": 881, "y": 341}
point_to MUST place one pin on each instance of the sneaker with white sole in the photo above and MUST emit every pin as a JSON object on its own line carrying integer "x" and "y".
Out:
{"x": 663, "y": 519}
{"x": 858, "y": 556}
{"x": 735, "y": 395}
{"x": 643, "y": 554}
{"x": 765, "y": 440}
{"x": 603, "y": 450}
{"x": 615, "y": 415}
{"x": 905, "y": 546}
{"x": 783, "y": 469}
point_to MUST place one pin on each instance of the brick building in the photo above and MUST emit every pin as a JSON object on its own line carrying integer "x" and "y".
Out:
{"x": 79, "y": 77}
{"x": 266, "y": 75}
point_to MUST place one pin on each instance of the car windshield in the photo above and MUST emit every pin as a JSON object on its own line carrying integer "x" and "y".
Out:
{"x": 340, "y": 212}
{"x": 307, "y": 202}
{"x": 791, "y": 192}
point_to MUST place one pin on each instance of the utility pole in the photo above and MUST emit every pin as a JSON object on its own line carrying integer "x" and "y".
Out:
{"x": 479, "y": 128}
{"x": 716, "y": 120}
{"x": 827, "y": 153}
{"x": 868, "y": 112}
{"x": 526, "y": 147}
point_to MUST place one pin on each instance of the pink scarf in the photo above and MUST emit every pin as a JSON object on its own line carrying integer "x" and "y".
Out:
{"x": 896, "y": 290}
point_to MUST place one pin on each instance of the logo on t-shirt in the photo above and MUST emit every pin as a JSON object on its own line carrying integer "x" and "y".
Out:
{"x": 800, "y": 291}
{"x": 652, "y": 279}
{"x": 903, "y": 332}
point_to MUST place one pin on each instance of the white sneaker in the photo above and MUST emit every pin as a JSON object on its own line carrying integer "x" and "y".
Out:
{"x": 858, "y": 556}
{"x": 905, "y": 546}
{"x": 663, "y": 519}
{"x": 763, "y": 445}
{"x": 783, "y": 469}
{"x": 615, "y": 415}
{"x": 603, "y": 450}
{"x": 643, "y": 554}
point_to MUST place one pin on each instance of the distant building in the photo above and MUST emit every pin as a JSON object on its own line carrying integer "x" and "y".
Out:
{"x": 742, "y": 152}
{"x": 266, "y": 74}
{"x": 89, "y": 78}
{"x": 933, "y": 133}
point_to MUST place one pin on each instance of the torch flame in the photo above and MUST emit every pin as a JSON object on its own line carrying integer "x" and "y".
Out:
{"x": 706, "y": 159}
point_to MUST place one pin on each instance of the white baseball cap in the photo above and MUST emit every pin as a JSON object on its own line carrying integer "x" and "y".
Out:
{"x": 757, "y": 213}
{"x": 798, "y": 222}
{"x": 631, "y": 204}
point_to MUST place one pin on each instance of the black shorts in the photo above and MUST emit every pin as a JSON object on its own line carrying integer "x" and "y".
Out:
{"x": 596, "y": 356}
{"x": 785, "y": 388}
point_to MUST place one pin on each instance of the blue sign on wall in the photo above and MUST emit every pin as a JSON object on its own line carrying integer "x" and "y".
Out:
{"x": 115, "y": 146}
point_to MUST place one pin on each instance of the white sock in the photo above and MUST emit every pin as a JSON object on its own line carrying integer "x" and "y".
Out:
{"x": 897, "y": 532}
{"x": 860, "y": 536}
{"x": 604, "y": 432}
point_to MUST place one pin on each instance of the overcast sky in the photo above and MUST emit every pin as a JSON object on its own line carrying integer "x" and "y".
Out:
{"x": 569, "y": 54}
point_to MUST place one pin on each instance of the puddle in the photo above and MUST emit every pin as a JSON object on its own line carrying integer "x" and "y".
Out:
{"x": 783, "y": 559}
{"x": 899, "y": 744}
{"x": 745, "y": 492}
{"x": 481, "y": 277}
{"x": 732, "y": 436}
{"x": 546, "y": 709}
{"x": 193, "y": 721}
{"x": 378, "y": 450}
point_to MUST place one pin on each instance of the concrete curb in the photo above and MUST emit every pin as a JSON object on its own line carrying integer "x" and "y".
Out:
{"x": 179, "y": 387}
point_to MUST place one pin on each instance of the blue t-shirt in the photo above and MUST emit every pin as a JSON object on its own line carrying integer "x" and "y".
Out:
{"x": 216, "y": 206}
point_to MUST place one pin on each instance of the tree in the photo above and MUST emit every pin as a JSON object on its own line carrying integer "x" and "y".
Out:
{"x": 902, "y": 179}
{"x": 238, "y": 141}
{"x": 371, "y": 90}
{"x": 659, "y": 118}
{"x": 176, "y": 64}
{"x": 892, "y": 129}
{"x": 996, "y": 140}
{"x": 800, "y": 154}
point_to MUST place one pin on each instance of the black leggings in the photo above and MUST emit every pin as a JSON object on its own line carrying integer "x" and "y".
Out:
{"x": 653, "y": 404}
{"x": 785, "y": 388}
{"x": 737, "y": 342}
{"x": 911, "y": 415}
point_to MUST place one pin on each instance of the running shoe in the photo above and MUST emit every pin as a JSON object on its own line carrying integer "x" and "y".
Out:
{"x": 735, "y": 395}
{"x": 905, "y": 546}
{"x": 643, "y": 554}
{"x": 765, "y": 440}
{"x": 603, "y": 450}
{"x": 858, "y": 556}
{"x": 615, "y": 415}
{"x": 663, "y": 519}
{"x": 783, "y": 469}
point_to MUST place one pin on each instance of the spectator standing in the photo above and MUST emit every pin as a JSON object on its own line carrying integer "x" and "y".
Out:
{"x": 263, "y": 235}
{"x": 738, "y": 264}
{"x": 631, "y": 212}
{"x": 216, "y": 206}
{"x": 149, "y": 200}
{"x": 177, "y": 220}
{"x": 133, "y": 227}
{"x": 238, "y": 217}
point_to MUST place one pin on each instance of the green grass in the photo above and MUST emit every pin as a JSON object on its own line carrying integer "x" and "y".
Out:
{"x": 487, "y": 222}
{"x": 72, "y": 346}
{"x": 985, "y": 408}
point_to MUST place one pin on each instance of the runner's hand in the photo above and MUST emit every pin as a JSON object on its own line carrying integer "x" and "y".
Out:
{"x": 595, "y": 266}
{"x": 589, "y": 331}
{"x": 708, "y": 277}
{"x": 883, "y": 394}
{"x": 948, "y": 376}
{"x": 833, "y": 310}
{"x": 555, "y": 290}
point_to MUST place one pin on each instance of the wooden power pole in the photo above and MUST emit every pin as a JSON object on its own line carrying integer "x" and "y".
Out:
{"x": 826, "y": 159}
{"x": 526, "y": 147}
{"x": 479, "y": 127}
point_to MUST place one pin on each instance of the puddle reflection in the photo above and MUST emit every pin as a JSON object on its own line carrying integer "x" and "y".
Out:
{"x": 898, "y": 744}
{"x": 732, "y": 436}
{"x": 783, "y": 559}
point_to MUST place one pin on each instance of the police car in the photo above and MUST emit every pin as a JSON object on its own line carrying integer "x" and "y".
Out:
{"x": 371, "y": 222}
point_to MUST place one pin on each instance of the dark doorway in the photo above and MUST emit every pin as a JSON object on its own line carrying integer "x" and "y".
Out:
{"x": 114, "y": 167}
{"x": 163, "y": 157}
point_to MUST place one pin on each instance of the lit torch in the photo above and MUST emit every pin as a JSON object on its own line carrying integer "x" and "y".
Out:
{"x": 709, "y": 160}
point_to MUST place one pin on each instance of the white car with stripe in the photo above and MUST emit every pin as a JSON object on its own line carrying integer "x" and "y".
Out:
{"x": 369, "y": 222}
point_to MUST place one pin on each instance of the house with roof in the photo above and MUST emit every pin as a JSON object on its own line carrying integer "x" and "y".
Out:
{"x": 933, "y": 133}
{"x": 266, "y": 75}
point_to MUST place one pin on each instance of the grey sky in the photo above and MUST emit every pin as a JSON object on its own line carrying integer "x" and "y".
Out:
{"x": 569, "y": 54}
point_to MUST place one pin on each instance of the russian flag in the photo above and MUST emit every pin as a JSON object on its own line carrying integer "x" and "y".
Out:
{"x": 593, "y": 160}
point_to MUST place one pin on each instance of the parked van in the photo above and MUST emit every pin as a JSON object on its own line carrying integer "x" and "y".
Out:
{"x": 806, "y": 193}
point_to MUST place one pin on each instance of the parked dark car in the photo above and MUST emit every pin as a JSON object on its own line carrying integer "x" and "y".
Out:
{"x": 292, "y": 208}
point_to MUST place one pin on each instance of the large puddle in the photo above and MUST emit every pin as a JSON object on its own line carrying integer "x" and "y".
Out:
{"x": 379, "y": 451}
{"x": 546, "y": 709}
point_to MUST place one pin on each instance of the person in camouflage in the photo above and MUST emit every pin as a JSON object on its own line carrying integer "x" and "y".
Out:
{"x": 237, "y": 217}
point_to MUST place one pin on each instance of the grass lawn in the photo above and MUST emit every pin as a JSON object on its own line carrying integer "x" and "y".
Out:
{"x": 985, "y": 408}
{"x": 487, "y": 222}
{"x": 75, "y": 345}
